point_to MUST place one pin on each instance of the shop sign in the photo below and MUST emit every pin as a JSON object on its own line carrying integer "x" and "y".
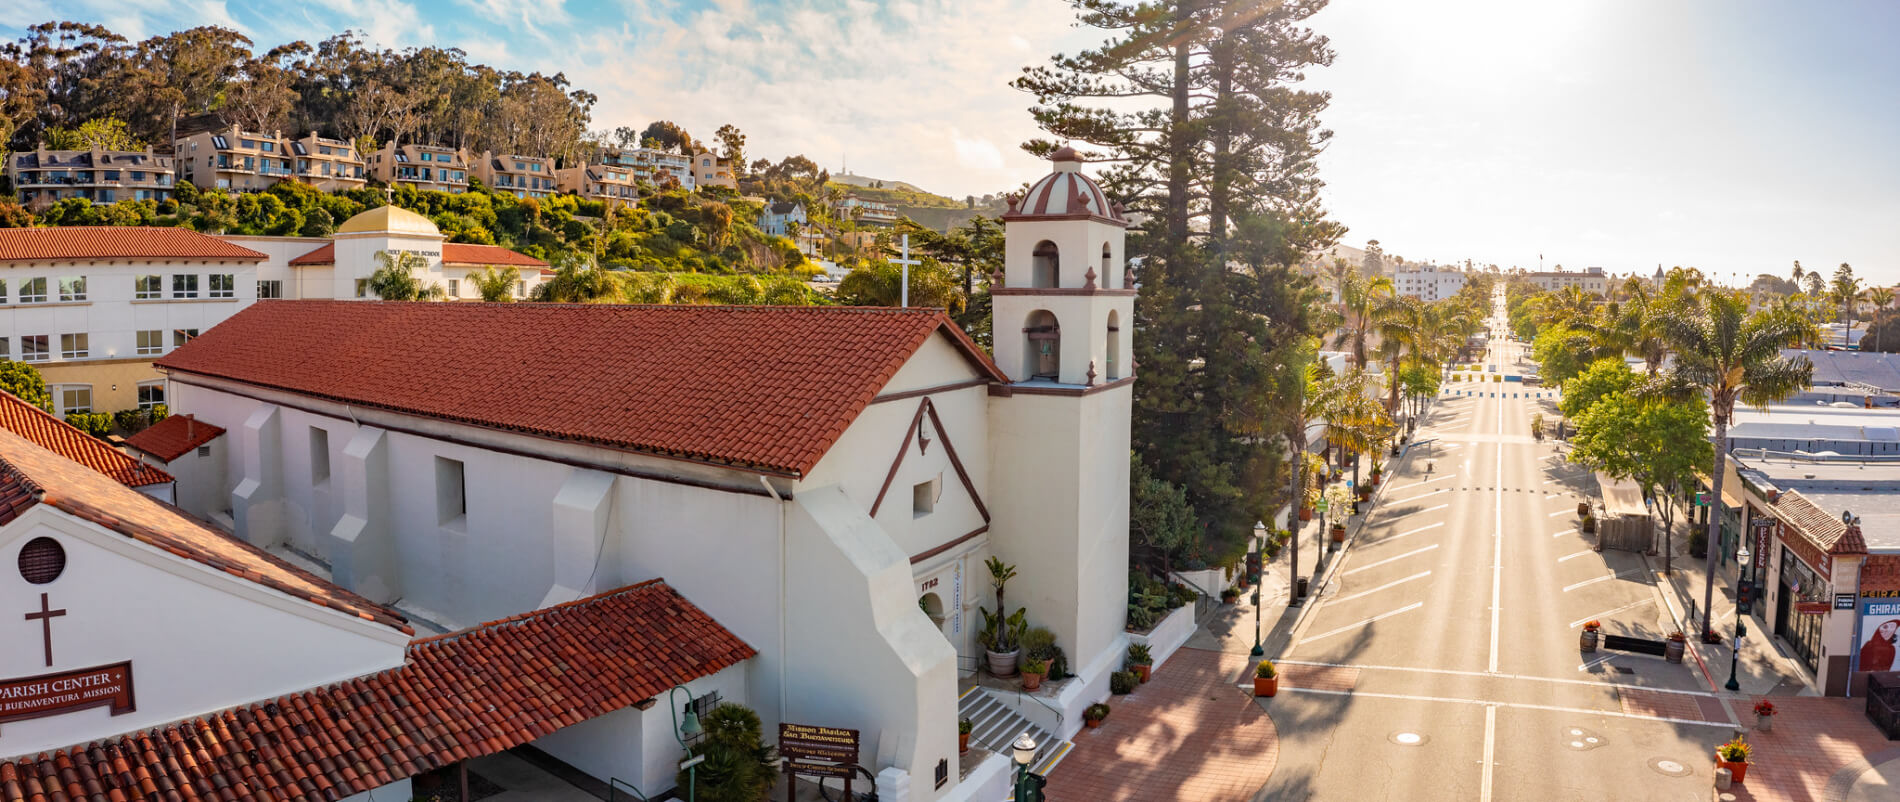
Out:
{"x": 67, "y": 691}
{"x": 1879, "y": 630}
{"x": 817, "y": 752}
{"x": 1810, "y": 607}
{"x": 1843, "y": 601}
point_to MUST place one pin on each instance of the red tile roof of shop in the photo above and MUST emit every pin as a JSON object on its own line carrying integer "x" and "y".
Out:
{"x": 453, "y": 253}
{"x": 60, "y": 437}
{"x": 32, "y": 475}
{"x": 173, "y": 437}
{"x": 1818, "y": 526}
{"x": 83, "y": 243}
{"x": 754, "y": 387}
{"x": 458, "y": 696}
{"x": 1880, "y": 572}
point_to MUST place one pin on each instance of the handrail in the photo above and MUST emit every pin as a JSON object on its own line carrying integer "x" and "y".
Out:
{"x": 1204, "y": 601}
{"x": 613, "y": 790}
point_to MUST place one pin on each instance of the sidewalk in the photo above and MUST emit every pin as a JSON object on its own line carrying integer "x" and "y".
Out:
{"x": 1765, "y": 667}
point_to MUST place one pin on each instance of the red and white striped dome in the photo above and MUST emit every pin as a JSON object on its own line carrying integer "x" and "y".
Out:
{"x": 1065, "y": 194}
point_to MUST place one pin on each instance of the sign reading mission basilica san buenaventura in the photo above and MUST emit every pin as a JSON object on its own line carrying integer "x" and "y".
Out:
{"x": 67, "y": 691}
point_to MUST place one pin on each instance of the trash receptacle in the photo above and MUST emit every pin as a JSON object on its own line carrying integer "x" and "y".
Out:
{"x": 1299, "y": 588}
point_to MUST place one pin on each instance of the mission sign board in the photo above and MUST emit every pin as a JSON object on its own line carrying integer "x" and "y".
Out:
{"x": 66, "y": 691}
{"x": 818, "y": 752}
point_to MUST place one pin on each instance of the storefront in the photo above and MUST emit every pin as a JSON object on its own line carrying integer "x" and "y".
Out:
{"x": 1802, "y": 605}
{"x": 1810, "y": 574}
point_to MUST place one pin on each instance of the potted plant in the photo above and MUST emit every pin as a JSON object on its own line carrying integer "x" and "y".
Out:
{"x": 1229, "y": 595}
{"x": 1093, "y": 715}
{"x": 1734, "y": 757}
{"x": 1583, "y": 509}
{"x": 1122, "y": 683}
{"x": 1266, "y": 679}
{"x": 1001, "y": 634}
{"x": 1378, "y": 473}
{"x": 1140, "y": 660}
{"x": 1672, "y": 650}
{"x": 964, "y": 726}
{"x": 1588, "y": 641}
{"x": 1364, "y": 492}
{"x": 1033, "y": 672}
{"x": 1764, "y": 715}
{"x": 1589, "y": 524}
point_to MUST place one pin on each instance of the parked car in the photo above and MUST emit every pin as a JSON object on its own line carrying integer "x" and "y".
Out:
{"x": 1533, "y": 380}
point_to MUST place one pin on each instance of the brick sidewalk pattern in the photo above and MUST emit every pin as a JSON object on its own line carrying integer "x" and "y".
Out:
{"x": 1682, "y": 707}
{"x": 1812, "y": 739}
{"x": 1189, "y": 735}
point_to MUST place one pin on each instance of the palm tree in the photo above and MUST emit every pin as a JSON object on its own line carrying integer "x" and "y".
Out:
{"x": 1731, "y": 355}
{"x": 395, "y": 278}
{"x": 1359, "y": 301}
{"x": 496, "y": 285}
{"x": 1845, "y": 293}
{"x": 577, "y": 280}
{"x": 1356, "y": 421}
{"x": 1401, "y": 324}
{"x": 1881, "y": 298}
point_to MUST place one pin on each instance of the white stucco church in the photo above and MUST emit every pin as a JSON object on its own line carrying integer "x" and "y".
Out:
{"x": 816, "y": 489}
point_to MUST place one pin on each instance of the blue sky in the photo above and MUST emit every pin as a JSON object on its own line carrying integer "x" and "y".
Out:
{"x": 1733, "y": 135}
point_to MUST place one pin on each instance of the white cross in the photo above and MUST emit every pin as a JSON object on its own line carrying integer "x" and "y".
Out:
{"x": 906, "y": 261}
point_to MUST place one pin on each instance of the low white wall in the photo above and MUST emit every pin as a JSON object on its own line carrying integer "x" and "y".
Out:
{"x": 1166, "y": 638}
{"x": 1211, "y": 580}
{"x": 988, "y": 782}
{"x": 638, "y": 746}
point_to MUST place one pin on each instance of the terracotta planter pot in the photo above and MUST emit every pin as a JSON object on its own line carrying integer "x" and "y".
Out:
{"x": 1365, "y": 494}
{"x": 1031, "y": 681}
{"x": 1141, "y": 671}
{"x": 1339, "y": 534}
{"x": 1583, "y": 509}
{"x": 963, "y": 742}
{"x": 1587, "y": 641}
{"x": 1736, "y": 771}
{"x": 1266, "y": 686}
{"x": 1092, "y": 723}
{"x": 1002, "y": 664}
{"x": 1672, "y": 650}
{"x": 1306, "y": 513}
{"x": 1376, "y": 479}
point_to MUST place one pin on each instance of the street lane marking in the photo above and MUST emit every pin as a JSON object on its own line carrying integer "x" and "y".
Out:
{"x": 1551, "y": 496}
{"x": 1575, "y": 556}
{"x": 1457, "y": 673}
{"x": 1426, "y": 482}
{"x": 1388, "y": 585}
{"x": 1403, "y": 534}
{"x": 1631, "y": 606}
{"x": 1415, "y": 512}
{"x": 1561, "y": 512}
{"x": 1604, "y": 578}
{"x": 1570, "y": 531}
{"x": 1597, "y": 662}
{"x": 1349, "y": 627}
{"x": 1423, "y": 495}
{"x": 1490, "y": 747}
{"x": 1412, "y": 553}
{"x": 1513, "y": 705}
{"x": 1497, "y": 572}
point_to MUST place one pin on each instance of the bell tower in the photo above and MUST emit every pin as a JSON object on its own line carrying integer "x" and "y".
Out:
{"x": 1063, "y": 324}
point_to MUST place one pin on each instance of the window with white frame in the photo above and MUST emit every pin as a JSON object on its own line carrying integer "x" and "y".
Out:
{"x": 70, "y": 398}
{"x": 455, "y": 288}
{"x": 33, "y": 348}
{"x": 33, "y": 291}
{"x": 362, "y": 288}
{"x": 72, "y": 288}
{"x": 75, "y": 346}
{"x": 272, "y": 288}
{"x": 151, "y": 394}
{"x": 184, "y": 285}
{"x": 182, "y": 336}
{"x": 3, "y": 290}
{"x": 223, "y": 285}
{"x": 6, "y": 350}
{"x": 151, "y": 341}
{"x": 147, "y": 288}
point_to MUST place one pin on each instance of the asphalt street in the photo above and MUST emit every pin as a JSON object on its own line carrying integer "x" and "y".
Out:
{"x": 1443, "y": 661}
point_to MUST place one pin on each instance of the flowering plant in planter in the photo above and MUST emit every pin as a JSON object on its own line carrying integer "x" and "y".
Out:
{"x": 1678, "y": 637}
{"x": 1592, "y": 625}
{"x": 1736, "y": 751}
{"x": 1764, "y": 708}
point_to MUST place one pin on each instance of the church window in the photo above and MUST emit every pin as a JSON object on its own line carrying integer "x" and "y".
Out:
{"x": 42, "y": 560}
{"x": 451, "y": 494}
{"x": 1108, "y": 276}
{"x": 319, "y": 455}
{"x": 1045, "y": 265}
{"x": 1042, "y": 352}
{"x": 923, "y": 497}
{"x": 1114, "y": 344}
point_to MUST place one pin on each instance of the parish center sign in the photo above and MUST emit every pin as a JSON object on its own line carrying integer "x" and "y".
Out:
{"x": 67, "y": 691}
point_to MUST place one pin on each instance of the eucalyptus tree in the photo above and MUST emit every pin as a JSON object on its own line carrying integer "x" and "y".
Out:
{"x": 1731, "y": 355}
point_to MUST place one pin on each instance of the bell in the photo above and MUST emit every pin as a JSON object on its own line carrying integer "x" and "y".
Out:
{"x": 689, "y": 726}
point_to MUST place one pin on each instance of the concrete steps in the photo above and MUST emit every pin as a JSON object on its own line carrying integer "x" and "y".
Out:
{"x": 995, "y": 725}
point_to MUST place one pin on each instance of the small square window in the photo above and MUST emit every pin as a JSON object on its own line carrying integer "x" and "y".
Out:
{"x": 72, "y": 288}
{"x": 148, "y": 287}
{"x": 451, "y": 492}
{"x": 182, "y": 336}
{"x": 75, "y": 346}
{"x": 223, "y": 285}
{"x": 34, "y": 348}
{"x": 204, "y": 451}
{"x": 923, "y": 497}
{"x": 151, "y": 394}
{"x": 33, "y": 291}
{"x": 72, "y": 398}
{"x": 272, "y": 288}
{"x": 184, "y": 285}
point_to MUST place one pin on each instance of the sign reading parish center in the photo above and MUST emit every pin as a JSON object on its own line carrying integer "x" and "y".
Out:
{"x": 66, "y": 691}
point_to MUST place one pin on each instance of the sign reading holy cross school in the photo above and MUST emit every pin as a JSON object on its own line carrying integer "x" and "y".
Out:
{"x": 66, "y": 691}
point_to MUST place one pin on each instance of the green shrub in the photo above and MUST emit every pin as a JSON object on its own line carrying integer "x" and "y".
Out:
{"x": 97, "y": 424}
{"x": 1039, "y": 644}
{"x": 738, "y": 763}
{"x": 1140, "y": 655}
{"x": 1140, "y": 619}
{"x": 1122, "y": 683}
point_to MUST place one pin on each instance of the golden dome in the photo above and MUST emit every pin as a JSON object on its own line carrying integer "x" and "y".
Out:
{"x": 390, "y": 219}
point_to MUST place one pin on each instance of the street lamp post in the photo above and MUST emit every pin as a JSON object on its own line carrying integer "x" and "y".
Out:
{"x": 1260, "y": 559}
{"x": 1024, "y": 753}
{"x": 681, "y": 729}
{"x": 1741, "y": 618}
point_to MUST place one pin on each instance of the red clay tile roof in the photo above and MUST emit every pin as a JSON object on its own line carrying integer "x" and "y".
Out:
{"x": 453, "y": 253}
{"x": 1817, "y": 526}
{"x": 31, "y": 475}
{"x": 458, "y": 696}
{"x": 323, "y": 255}
{"x": 1880, "y": 572}
{"x": 755, "y": 387}
{"x": 61, "y": 438}
{"x": 172, "y": 437}
{"x": 80, "y": 243}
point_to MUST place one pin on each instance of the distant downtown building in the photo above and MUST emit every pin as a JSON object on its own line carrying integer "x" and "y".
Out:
{"x": 91, "y": 307}
{"x": 1590, "y": 279}
{"x": 43, "y": 177}
{"x": 1430, "y": 284}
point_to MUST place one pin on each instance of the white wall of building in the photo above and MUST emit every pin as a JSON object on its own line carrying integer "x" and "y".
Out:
{"x": 172, "y": 618}
{"x": 1430, "y": 285}
{"x": 639, "y": 746}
